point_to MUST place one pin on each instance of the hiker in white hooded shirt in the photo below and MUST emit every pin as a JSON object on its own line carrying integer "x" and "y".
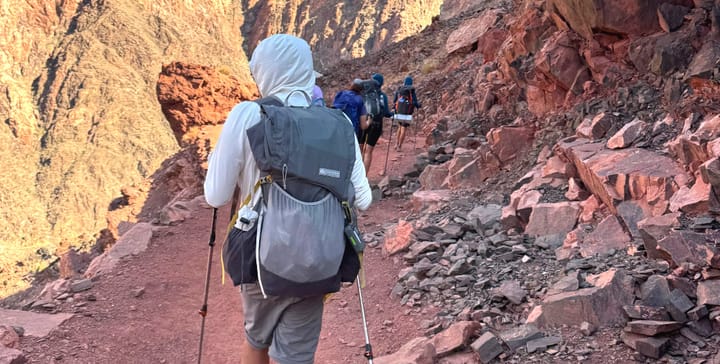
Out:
{"x": 286, "y": 329}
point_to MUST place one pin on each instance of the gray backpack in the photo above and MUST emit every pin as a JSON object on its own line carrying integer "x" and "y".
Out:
{"x": 306, "y": 155}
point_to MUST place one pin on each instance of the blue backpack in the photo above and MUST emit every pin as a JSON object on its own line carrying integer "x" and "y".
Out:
{"x": 346, "y": 101}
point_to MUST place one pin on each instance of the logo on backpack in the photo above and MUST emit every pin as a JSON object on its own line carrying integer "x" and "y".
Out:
{"x": 371, "y": 97}
{"x": 405, "y": 104}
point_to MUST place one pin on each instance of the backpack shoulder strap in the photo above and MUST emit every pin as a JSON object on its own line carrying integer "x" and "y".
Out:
{"x": 269, "y": 100}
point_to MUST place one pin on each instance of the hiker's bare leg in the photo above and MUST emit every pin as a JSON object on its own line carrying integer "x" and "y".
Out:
{"x": 250, "y": 355}
{"x": 367, "y": 158}
{"x": 401, "y": 137}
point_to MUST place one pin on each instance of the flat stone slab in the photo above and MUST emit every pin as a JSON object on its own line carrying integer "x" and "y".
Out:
{"x": 542, "y": 343}
{"x": 35, "y": 324}
{"x": 519, "y": 336}
{"x": 133, "y": 242}
{"x": 653, "y": 328}
{"x": 653, "y": 347}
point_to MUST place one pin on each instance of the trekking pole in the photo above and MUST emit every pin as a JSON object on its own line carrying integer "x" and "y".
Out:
{"x": 367, "y": 135}
{"x": 368, "y": 348}
{"x": 203, "y": 309}
{"x": 387, "y": 155}
{"x": 417, "y": 126}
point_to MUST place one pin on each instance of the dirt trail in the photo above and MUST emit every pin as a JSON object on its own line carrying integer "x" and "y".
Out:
{"x": 162, "y": 324}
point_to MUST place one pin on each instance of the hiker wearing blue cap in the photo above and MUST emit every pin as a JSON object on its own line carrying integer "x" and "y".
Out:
{"x": 405, "y": 102}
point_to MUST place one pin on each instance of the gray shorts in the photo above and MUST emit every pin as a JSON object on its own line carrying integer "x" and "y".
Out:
{"x": 289, "y": 326}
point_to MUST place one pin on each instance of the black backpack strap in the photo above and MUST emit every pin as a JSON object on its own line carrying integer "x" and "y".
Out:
{"x": 269, "y": 100}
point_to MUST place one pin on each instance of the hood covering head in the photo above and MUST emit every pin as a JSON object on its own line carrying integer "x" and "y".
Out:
{"x": 283, "y": 63}
{"x": 408, "y": 81}
{"x": 379, "y": 78}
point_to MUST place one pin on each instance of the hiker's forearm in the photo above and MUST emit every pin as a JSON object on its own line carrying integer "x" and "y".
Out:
{"x": 363, "y": 193}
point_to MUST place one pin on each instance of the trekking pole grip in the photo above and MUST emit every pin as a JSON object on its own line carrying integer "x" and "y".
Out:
{"x": 212, "y": 228}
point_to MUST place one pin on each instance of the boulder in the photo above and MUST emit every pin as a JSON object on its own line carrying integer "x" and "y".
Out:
{"x": 631, "y": 213}
{"x": 517, "y": 337}
{"x": 627, "y": 17}
{"x": 543, "y": 343}
{"x": 680, "y": 246}
{"x": 507, "y": 142}
{"x": 555, "y": 167}
{"x": 704, "y": 64}
{"x": 544, "y": 97}
{"x": 708, "y": 292}
{"x": 662, "y": 54}
{"x": 693, "y": 149}
{"x": 693, "y": 200}
{"x": 589, "y": 206}
{"x": 710, "y": 172}
{"x": 459, "y": 358}
{"x": 569, "y": 283}
{"x": 430, "y": 200}
{"x": 605, "y": 71}
{"x": 671, "y": 16}
{"x": 133, "y": 242}
{"x": 487, "y": 346}
{"x": 560, "y": 61}
{"x": 526, "y": 203}
{"x": 552, "y": 218}
{"x": 9, "y": 338}
{"x": 433, "y": 176}
{"x": 454, "y": 337}
{"x": 655, "y": 291}
{"x": 484, "y": 216}
{"x": 575, "y": 192}
{"x": 11, "y": 356}
{"x": 511, "y": 290}
{"x": 654, "y": 229}
{"x": 489, "y": 43}
{"x": 626, "y": 174}
{"x": 596, "y": 127}
{"x": 417, "y": 351}
{"x": 468, "y": 169}
{"x": 399, "y": 237}
{"x": 653, "y": 347}
{"x": 470, "y": 31}
{"x": 608, "y": 235}
{"x": 600, "y": 305}
{"x": 628, "y": 134}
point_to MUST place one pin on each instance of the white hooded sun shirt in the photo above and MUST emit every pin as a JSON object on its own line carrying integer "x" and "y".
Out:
{"x": 280, "y": 64}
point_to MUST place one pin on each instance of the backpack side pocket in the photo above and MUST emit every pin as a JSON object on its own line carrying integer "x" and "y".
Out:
{"x": 239, "y": 255}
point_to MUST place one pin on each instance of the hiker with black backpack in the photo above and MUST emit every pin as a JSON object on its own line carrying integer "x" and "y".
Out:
{"x": 376, "y": 104}
{"x": 405, "y": 102}
{"x": 299, "y": 171}
{"x": 351, "y": 102}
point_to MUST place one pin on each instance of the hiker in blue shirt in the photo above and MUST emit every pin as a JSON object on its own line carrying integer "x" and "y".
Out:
{"x": 370, "y": 136}
{"x": 351, "y": 103}
{"x": 405, "y": 102}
